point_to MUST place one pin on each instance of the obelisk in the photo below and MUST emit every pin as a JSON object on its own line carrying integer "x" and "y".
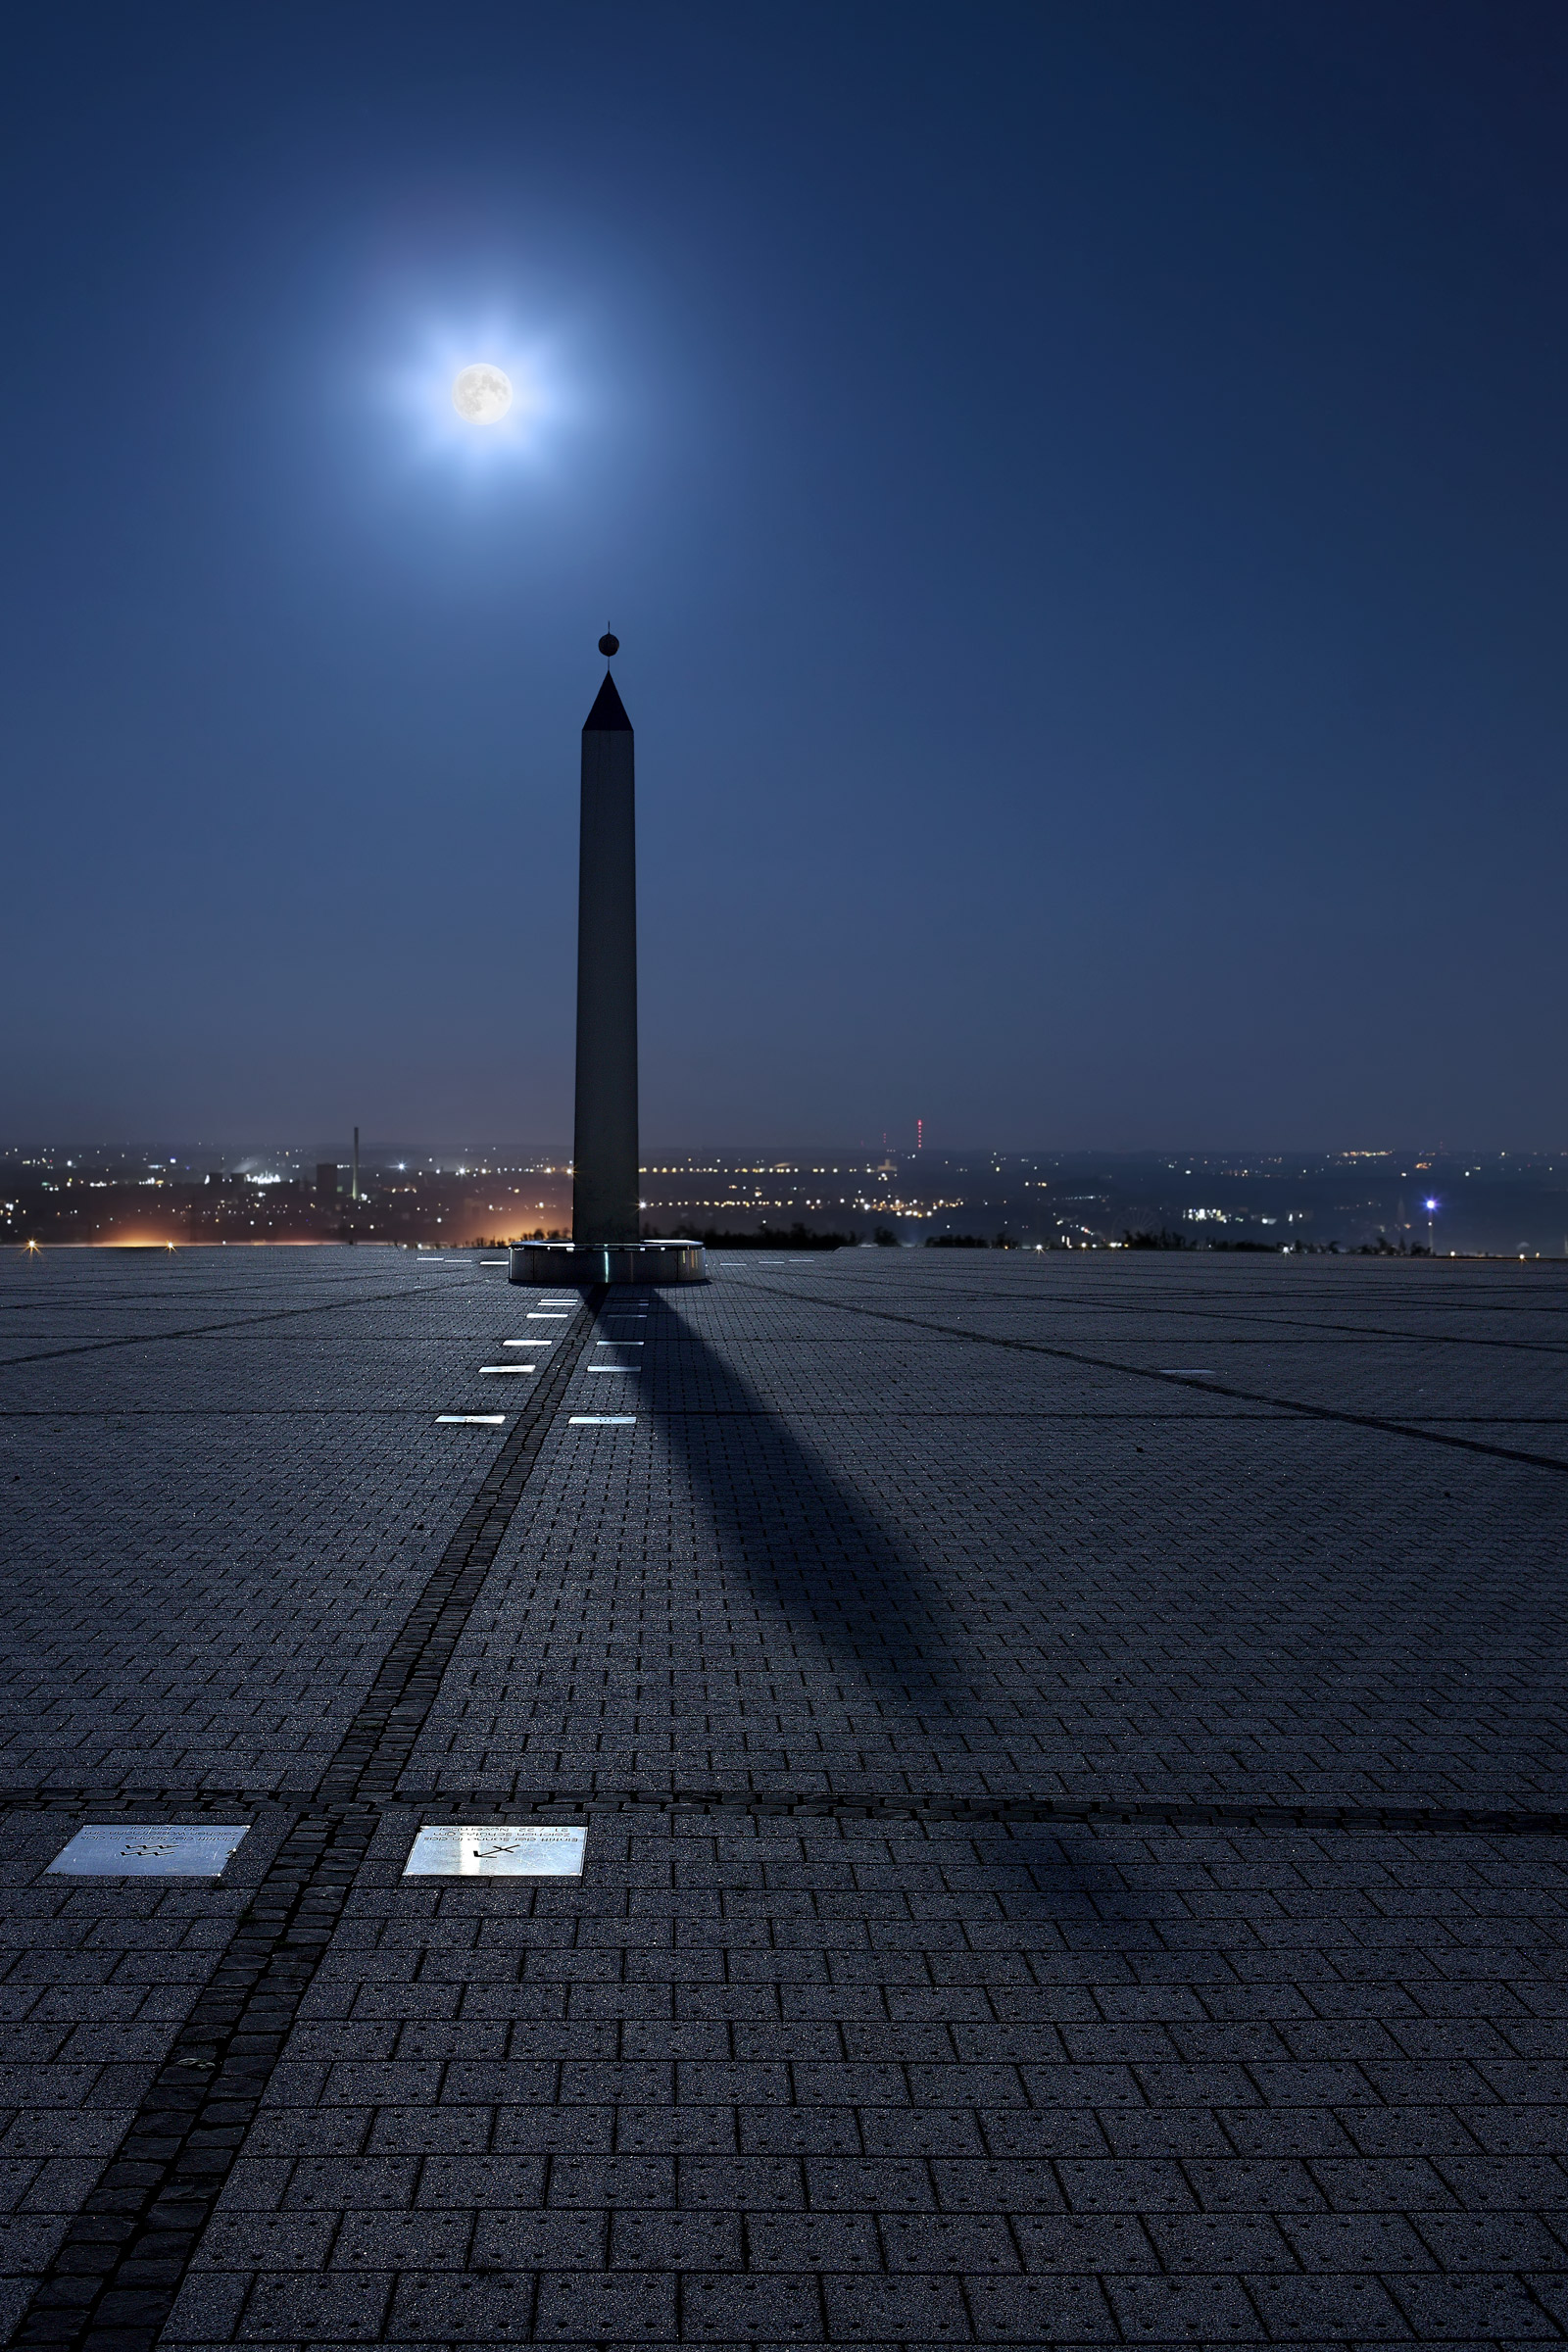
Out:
{"x": 605, "y": 1246}
{"x": 604, "y": 1171}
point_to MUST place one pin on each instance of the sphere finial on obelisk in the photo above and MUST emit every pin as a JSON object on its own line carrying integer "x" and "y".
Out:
{"x": 609, "y": 644}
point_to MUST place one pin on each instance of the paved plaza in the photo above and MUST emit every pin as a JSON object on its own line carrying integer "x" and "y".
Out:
{"x": 1073, "y": 1757}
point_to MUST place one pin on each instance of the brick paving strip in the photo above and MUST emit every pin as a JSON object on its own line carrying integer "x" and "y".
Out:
{"x": 113, "y": 2282}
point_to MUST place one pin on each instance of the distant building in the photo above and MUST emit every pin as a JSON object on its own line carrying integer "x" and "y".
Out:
{"x": 327, "y": 1178}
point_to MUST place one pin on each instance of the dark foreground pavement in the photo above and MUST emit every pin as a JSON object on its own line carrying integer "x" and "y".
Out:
{"x": 1076, "y": 1770}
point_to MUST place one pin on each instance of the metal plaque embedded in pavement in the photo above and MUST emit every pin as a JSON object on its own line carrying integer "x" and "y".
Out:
{"x": 176, "y": 1850}
{"x": 536, "y": 1850}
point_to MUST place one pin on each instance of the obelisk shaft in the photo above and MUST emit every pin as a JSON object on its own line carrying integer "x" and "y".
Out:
{"x": 605, "y": 1183}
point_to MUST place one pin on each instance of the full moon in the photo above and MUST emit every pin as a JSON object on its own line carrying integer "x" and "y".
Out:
{"x": 482, "y": 394}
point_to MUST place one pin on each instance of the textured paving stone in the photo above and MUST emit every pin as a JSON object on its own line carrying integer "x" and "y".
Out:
{"x": 889, "y": 1536}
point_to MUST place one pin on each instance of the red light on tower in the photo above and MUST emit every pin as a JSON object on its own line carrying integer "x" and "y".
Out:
{"x": 919, "y": 1134}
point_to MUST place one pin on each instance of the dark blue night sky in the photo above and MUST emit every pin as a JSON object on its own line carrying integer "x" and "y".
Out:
{"x": 1079, "y": 489}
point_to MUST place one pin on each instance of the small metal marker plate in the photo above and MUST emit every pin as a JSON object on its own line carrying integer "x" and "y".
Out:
{"x": 540, "y": 1314}
{"x": 176, "y": 1850}
{"x": 535, "y": 1850}
{"x": 474, "y": 1420}
{"x": 601, "y": 1420}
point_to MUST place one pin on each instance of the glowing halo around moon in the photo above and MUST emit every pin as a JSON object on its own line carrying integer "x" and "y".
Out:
{"x": 481, "y": 394}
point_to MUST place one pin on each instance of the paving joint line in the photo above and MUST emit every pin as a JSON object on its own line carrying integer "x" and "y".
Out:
{"x": 201, "y": 1331}
{"x": 867, "y": 1804}
{"x": 1221, "y": 1313}
{"x": 112, "y": 2281}
{"x": 1206, "y": 1387}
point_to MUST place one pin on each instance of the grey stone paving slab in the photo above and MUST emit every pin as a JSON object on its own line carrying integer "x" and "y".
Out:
{"x": 244, "y": 1542}
{"x": 932, "y": 1533}
{"x": 1086, "y": 1594}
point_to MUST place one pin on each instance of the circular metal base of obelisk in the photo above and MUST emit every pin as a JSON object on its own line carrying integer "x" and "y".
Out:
{"x": 579, "y": 1263}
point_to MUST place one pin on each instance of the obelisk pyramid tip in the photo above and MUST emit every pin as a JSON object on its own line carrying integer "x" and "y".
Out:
{"x": 609, "y": 713}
